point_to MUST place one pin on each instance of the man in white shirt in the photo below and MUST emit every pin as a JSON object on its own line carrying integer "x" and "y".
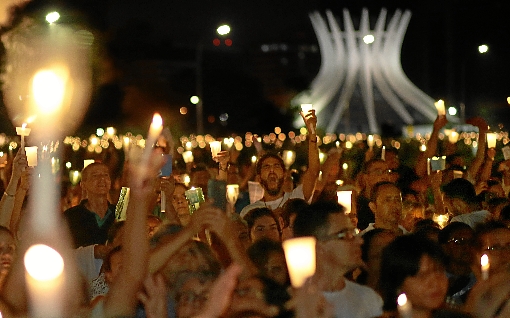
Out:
{"x": 338, "y": 252}
{"x": 271, "y": 175}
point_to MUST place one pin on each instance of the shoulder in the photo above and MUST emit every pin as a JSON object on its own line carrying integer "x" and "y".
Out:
{"x": 297, "y": 193}
{"x": 76, "y": 210}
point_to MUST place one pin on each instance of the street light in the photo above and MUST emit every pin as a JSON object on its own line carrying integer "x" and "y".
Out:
{"x": 52, "y": 17}
{"x": 223, "y": 29}
{"x": 483, "y": 48}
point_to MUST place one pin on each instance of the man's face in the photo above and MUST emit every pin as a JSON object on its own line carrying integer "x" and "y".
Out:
{"x": 377, "y": 172}
{"x": 388, "y": 205}
{"x": 458, "y": 247}
{"x": 496, "y": 244}
{"x": 341, "y": 254}
{"x": 97, "y": 181}
{"x": 272, "y": 176}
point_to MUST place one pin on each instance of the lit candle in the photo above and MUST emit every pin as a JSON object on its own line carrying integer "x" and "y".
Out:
{"x": 44, "y": 274}
{"x": 370, "y": 141}
{"x": 345, "y": 198}
{"x": 289, "y": 156}
{"x": 154, "y": 131}
{"x": 383, "y": 153}
{"x": 187, "y": 156}
{"x": 337, "y": 144}
{"x": 31, "y": 153}
{"x": 23, "y": 131}
{"x": 228, "y": 142}
{"x": 405, "y": 308}
{"x": 453, "y": 137}
{"x": 126, "y": 145}
{"x": 232, "y": 193}
{"x": 300, "y": 258}
{"x": 253, "y": 159}
{"x": 428, "y": 166}
{"x": 306, "y": 108}
{"x": 74, "y": 177}
{"x": 441, "y": 111}
{"x": 215, "y": 147}
{"x": 322, "y": 157}
{"x": 441, "y": 219}
{"x": 86, "y": 162}
{"x": 485, "y": 265}
{"x": 491, "y": 140}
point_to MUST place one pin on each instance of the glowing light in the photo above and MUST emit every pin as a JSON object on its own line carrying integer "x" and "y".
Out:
{"x": 483, "y": 48}
{"x": 194, "y": 100}
{"x": 423, "y": 148}
{"x": 368, "y": 39}
{"x": 183, "y": 110}
{"x": 49, "y": 89}
{"x": 43, "y": 263}
{"x": 223, "y": 29}
{"x": 100, "y": 132}
{"x": 68, "y": 165}
{"x": 52, "y": 17}
{"x": 110, "y": 131}
{"x": 452, "y": 111}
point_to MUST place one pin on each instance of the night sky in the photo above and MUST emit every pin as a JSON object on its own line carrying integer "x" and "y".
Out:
{"x": 439, "y": 47}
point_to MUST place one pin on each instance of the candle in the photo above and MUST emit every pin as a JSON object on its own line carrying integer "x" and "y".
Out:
{"x": 44, "y": 274}
{"x": 344, "y": 198}
{"x": 253, "y": 159}
{"x": 215, "y": 147}
{"x": 306, "y": 108}
{"x": 337, "y": 144}
{"x": 322, "y": 157}
{"x": 228, "y": 142}
{"x": 23, "y": 131}
{"x": 453, "y": 137}
{"x": 31, "y": 153}
{"x": 491, "y": 140}
{"x": 383, "y": 153}
{"x": 428, "y": 166}
{"x": 74, "y": 177}
{"x": 163, "y": 202}
{"x": 485, "y": 265}
{"x": 126, "y": 145}
{"x": 405, "y": 309}
{"x": 300, "y": 258}
{"x": 86, "y": 162}
{"x": 154, "y": 131}
{"x": 289, "y": 156}
{"x": 441, "y": 219}
{"x": 441, "y": 111}
{"x": 188, "y": 156}
{"x": 370, "y": 141}
{"x": 232, "y": 193}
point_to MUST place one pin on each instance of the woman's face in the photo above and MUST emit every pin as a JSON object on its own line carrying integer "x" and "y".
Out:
{"x": 7, "y": 250}
{"x": 265, "y": 227}
{"x": 427, "y": 289}
{"x": 180, "y": 205}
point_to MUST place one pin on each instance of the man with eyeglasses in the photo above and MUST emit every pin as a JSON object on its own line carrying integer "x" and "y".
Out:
{"x": 271, "y": 175}
{"x": 456, "y": 240}
{"x": 493, "y": 239}
{"x": 338, "y": 252}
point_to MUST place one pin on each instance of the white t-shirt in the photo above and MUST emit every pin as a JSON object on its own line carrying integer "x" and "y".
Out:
{"x": 472, "y": 219}
{"x": 297, "y": 193}
{"x": 355, "y": 301}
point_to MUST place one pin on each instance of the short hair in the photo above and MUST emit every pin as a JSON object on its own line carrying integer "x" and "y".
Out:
{"x": 367, "y": 165}
{"x": 377, "y": 187}
{"x": 400, "y": 260}
{"x": 313, "y": 220}
{"x": 460, "y": 189}
{"x": 486, "y": 228}
{"x": 446, "y": 233}
{"x": 291, "y": 207}
{"x": 260, "y": 251}
{"x": 85, "y": 172}
{"x": 266, "y": 156}
{"x": 257, "y": 213}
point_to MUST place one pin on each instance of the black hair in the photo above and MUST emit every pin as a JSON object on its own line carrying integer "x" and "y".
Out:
{"x": 486, "y": 228}
{"x": 292, "y": 206}
{"x": 257, "y": 213}
{"x": 446, "y": 233}
{"x": 368, "y": 164}
{"x": 313, "y": 220}
{"x": 461, "y": 189}
{"x": 401, "y": 259}
{"x": 377, "y": 187}
{"x": 260, "y": 251}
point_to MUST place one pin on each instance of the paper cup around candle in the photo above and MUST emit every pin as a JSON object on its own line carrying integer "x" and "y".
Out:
{"x": 289, "y": 156}
{"x": 74, "y": 177}
{"x": 370, "y": 141}
{"x": 31, "y": 153}
{"x": 438, "y": 163}
{"x": 215, "y": 147}
{"x": 232, "y": 193}
{"x": 87, "y": 162}
{"x": 306, "y": 108}
{"x": 187, "y": 156}
{"x": 44, "y": 274}
{"x": 491, "y": 140}
{"x": 300, "y": 258}
{"x": 344, "y": 199}
{"x": 255, "y": 190}
{"x": 441, "y": 111}
{"x": 453, "y": 137}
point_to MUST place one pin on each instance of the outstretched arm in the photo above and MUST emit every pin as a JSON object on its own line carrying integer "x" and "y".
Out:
{"x": 19, "y": 164}
{"x": 421, "y": 164}
{"x": 312, "y": 173}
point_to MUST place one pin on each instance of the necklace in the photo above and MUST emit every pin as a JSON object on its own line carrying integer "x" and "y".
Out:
{"x": 281, "y": 201}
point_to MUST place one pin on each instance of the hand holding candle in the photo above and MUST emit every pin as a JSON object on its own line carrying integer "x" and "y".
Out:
{"x": 491, "y": 140}
{"x": 370, "y": 141}
{"x": 441, "y": 111}
{"x": 23, "y": 131}
{"x": 310, "y": 120}
{"x": 155, "y": 130}
{"x": 215, "y": 148}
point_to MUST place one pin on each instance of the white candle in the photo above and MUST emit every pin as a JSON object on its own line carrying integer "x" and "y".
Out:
{"x": 428, "y": 166}
{"x": 253, "y": 159}
{"x": 215, "y": 147}
{"x": 345, "y": 198}
{"x": 187, "y": 156}
{"x": 485, "y": 266}
{"x": 491, "y": 140}
{"x": 441, "y": 111}
{"x": 74, "y": 177}
{"x": 370, "y": 141}
{"x": 405, "y": 308}
{"x": 289, "y": 156}
{"x": 228, "y": 142}
{"x": 23, "y": 131}
{"x": 300, "y": 258}
{"x": 306, "y": 108}
{"x": 44, "y": 274}
{"x": 383, "y": 153}
{"x": 86, "y": 162}
{"x": 232, "y": 193}
{"x": 154, "y": 132}
{"x": 453, "y": 137}
{"x": 163, "y": 202}
{"x": 31, "y": 153}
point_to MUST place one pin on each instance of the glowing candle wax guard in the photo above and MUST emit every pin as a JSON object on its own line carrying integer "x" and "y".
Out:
{"x": 300, "y": 258}
{"x": 485, "y": 266}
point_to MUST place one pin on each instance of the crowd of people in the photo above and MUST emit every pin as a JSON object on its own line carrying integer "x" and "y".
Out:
{"x": 226, "y": 258}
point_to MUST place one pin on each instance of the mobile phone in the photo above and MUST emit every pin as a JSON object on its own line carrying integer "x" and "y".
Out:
{"x": 166, "y": 170}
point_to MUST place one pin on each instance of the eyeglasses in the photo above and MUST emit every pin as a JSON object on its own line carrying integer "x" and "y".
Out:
{"x": 459, "y": 241}
{"x": 498, "y": 248}
{"x": 344, "y": 235}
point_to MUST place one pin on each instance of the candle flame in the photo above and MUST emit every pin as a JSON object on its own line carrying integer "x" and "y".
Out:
{"x": 402, "y": 300}
{"x": 43, "y": 263}
{"x": 484, "y": 260}
{"x": 24, "y": 125}
{"x": 157, "y": 120}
